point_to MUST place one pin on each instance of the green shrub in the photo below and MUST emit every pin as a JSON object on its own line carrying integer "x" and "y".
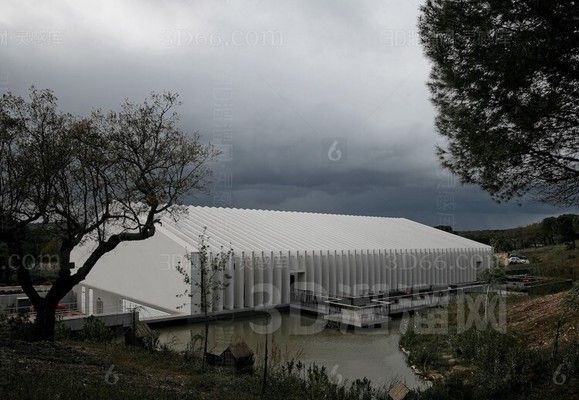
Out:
{"x": 152, "y": 343}
{"x": 16, "y": 327}
{"x": 425, "y": 350}
{"x": 295, "y": 380}
{"x": 62, "y": 332}
{"x": 95, "y": 330}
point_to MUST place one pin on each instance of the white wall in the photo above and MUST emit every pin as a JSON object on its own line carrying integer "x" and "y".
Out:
{"x": 142, "y": 270}
{"x": 145, "y": 271}
{"x": 261, "y": 279}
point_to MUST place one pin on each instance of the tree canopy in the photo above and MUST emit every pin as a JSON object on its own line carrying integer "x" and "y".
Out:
{"x": 107, "y": 177}
{"x": 505, "y": 83}
{"x": 550, "y": 231}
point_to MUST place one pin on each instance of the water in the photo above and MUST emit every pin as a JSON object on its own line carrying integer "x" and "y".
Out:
{"x": 347, "y": 355}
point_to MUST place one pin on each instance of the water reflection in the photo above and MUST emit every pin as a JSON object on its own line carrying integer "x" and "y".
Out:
{"x": 371, "y": 353}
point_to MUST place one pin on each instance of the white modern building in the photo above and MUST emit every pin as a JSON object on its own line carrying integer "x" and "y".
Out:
{"x": 275, "y": 254}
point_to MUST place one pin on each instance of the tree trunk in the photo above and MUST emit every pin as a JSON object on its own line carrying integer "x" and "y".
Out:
{"x": 4, "y": 273}
{"x": 46, "y": 307}
{"x": 205, "y": 314}
{"x": 203, "y": 365}
{"x": 487, "y": 302}
{"x": 556, "y": 343}
{"x": 264, "y": 382}
{"x": 45, "y": 321}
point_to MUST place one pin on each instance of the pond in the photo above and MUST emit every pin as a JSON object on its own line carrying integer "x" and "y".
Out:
{"x": 347, "y": 354}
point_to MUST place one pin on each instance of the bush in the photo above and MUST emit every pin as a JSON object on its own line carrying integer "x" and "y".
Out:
{"x": 152, "y": 343}
{"x": 295, "y": 380}
{"x": 16, "y": 327}
{"x": 503, "y": 367}
{"x": 425, "y": 350}
{"x": 94, "y": 330}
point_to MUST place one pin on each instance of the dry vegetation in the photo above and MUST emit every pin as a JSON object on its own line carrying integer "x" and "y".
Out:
{"x": 536, "y": 320}
{"x": 71, "y": 369}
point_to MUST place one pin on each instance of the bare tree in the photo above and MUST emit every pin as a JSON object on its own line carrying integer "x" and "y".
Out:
{"x": 32, "y": 149}
{"x": 212, "y": 280}
{"x": 108, "y": 177}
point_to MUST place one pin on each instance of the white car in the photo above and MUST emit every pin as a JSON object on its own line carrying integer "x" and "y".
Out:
{"x": 518, "y": 260}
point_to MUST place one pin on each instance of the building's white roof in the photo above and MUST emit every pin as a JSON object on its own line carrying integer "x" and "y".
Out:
{"x": 266, "y": 230}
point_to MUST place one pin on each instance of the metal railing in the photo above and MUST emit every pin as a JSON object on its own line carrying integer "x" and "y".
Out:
{"x": 63, "y": 310}
{"x": 72, "y": 310}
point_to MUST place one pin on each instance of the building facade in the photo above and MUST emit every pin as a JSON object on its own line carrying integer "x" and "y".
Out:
{"x": 274, "y": 255}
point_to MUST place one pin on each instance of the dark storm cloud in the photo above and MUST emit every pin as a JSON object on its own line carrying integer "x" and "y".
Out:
{"x": 299, "y": 77}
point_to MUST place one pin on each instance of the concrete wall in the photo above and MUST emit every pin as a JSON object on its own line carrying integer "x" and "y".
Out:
{"x": 121, "y": 319}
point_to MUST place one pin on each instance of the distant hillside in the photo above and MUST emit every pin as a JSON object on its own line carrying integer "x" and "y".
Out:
{"x": 549, "y": 231}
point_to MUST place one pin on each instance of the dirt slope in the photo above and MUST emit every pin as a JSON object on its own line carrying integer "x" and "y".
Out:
{"x": 537, "y": 318}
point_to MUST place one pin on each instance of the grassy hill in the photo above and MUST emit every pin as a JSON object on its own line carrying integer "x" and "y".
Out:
{"x": 553, "y": 261}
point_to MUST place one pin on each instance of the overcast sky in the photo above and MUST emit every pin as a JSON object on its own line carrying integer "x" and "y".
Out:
{"x": 317, "y": 105}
